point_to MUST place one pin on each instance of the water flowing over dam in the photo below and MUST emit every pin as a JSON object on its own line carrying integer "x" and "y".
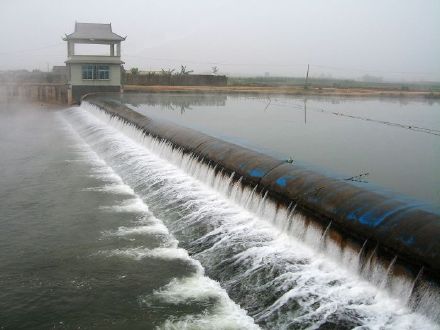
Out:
{"x": 220, "y": 165}
{"x": 246, "y": 263}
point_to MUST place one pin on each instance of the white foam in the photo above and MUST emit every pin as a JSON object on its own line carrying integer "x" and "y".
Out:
{"x": 165, "y": 253}
{"x": 305, "y": 271}
{"x": 225, "y": 314}
{"x": 106, "y": 176}
{"x": 122, "y": 189}
{"x": 154, "y": 229}
{"x": 135, "y": 205}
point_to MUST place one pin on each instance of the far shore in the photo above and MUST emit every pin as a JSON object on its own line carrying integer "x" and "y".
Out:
{"x": 289, "y": 90}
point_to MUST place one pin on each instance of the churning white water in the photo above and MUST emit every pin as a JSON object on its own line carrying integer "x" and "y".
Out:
{"x": 194, "y": 288}
{"x": 283, "y": 272}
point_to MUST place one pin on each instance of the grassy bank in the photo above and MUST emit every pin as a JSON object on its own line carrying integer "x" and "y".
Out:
{"x": 334, "y": 83}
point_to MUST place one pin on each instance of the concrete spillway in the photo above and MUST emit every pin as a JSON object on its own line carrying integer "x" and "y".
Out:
{"x": 372, "y": 220}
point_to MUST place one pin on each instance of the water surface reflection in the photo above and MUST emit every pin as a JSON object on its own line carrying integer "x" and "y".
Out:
{"x": 395, "y": 141}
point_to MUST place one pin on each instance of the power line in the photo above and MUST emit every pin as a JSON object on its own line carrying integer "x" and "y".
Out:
{"x": 410, "y": 127}
{"x": 210, "y": 62}
{"x": 225, "y": 63}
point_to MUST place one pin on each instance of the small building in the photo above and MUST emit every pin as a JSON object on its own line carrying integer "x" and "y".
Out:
{"x": 93, "y": 73}
{"x": 59, "y": 69}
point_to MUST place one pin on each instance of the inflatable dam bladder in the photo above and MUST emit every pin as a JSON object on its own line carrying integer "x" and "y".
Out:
{"x": 398, "y": 236}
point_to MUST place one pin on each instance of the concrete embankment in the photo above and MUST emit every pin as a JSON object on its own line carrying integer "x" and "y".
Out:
{"x": 393, "y": 225}
{"x": 34, "y": 92}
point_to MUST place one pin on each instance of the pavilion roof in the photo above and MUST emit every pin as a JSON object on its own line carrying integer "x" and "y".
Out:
{"x": 93, "y": 31}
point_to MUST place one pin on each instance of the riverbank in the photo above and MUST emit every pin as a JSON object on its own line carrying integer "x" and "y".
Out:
{"x": 287, "y": 90}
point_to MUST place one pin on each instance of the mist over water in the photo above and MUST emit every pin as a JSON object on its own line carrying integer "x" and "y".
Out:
{"x": 109, "y": 228}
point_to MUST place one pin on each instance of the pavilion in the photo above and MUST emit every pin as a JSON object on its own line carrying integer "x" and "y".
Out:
{"x": 93, "y": 73}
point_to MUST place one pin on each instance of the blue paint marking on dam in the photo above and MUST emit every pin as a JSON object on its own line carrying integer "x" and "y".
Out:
{"x": 408, "y": 240}
{"x": 364, "y": 208}
{"x": 282, "y": 181}
{"x": 257, "y": 173}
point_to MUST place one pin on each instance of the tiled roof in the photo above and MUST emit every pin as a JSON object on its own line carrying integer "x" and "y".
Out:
{"x": 94, "y": 31}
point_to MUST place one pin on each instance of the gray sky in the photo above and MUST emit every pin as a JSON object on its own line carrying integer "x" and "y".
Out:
{"x": 396, "y": 39}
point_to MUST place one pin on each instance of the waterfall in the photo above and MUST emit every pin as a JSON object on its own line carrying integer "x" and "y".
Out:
{"x": 283, "y": 268}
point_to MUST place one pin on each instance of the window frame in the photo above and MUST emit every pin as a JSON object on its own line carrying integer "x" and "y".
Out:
{"x": 95, "y": 72}
{"x": 87, "y": 72}
{"x": 103, "y": 69}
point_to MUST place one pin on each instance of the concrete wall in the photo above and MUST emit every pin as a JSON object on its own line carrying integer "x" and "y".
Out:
{"x": 77, "y": 92}
{"x": 390, "y": 224}
{"x": 174, "y": 80}
{"x": 76, "y": 76}
{"x": 47, "y": 93}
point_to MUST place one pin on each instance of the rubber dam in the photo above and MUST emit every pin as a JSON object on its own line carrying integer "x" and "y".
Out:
{"x": 291, "y": 246}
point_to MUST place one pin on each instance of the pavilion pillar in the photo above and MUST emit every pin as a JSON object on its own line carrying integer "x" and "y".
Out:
{"x": 70, "y": 48}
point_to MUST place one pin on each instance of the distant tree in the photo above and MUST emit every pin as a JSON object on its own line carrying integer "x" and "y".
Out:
{"x": 214, "y": 70}
{"x": 134, "y": 71}
{"x": 167, "y": 72}
{"x": 184, "y": 71}
{"x": 372, "y": 79}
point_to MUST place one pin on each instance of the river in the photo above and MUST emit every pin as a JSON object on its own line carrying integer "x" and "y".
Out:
{"x": 101, "y": 227}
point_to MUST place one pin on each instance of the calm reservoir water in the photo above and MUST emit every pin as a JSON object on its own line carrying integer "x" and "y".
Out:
{"x": 397, "y": 142}
{"x": 103, "y": 228}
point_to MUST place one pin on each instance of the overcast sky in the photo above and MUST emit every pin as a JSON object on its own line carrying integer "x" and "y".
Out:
{"x": 396, "y": 39}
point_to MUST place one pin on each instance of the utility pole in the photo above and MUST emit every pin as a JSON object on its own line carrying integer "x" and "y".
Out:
{"x": 305, "y": 111}
{"x": 307, "y": 77}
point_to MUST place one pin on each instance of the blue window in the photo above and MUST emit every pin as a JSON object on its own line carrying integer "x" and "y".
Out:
{"x": 95, "y": 72}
